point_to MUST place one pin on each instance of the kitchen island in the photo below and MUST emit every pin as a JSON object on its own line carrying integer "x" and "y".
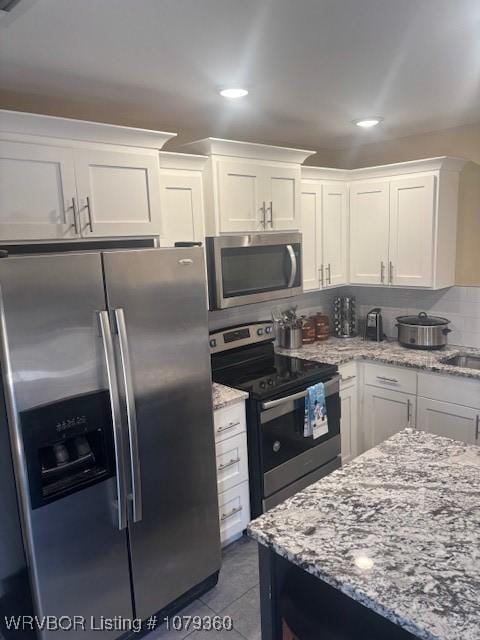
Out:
{"x": 396, "y": 533}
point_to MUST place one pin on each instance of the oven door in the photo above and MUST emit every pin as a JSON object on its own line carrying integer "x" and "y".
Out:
{"x": 254, "y": 268}
{"x": 287, "y": 455}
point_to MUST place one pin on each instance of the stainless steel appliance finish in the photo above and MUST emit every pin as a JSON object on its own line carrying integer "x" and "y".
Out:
{"x": 82, "y": 323}
{"x": 374, "y": 325}
{"x": 243, "y": 269}
{"x": 281, "y": 459}
{"x": 344, "y": 317}
{"x": 423, "y": 331}
{"x": 467, "y": 360}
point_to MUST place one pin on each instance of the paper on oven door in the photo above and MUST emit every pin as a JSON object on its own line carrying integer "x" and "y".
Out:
{"x": 316, "y": 420}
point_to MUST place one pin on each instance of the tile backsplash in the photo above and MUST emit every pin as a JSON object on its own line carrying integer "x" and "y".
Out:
{"x": 461, "y": 305}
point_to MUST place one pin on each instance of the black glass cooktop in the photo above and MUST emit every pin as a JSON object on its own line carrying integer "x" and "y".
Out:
{"x": 271, "y": 374}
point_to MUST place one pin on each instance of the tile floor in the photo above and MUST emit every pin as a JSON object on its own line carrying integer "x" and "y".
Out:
{"x": 236, "y": 595}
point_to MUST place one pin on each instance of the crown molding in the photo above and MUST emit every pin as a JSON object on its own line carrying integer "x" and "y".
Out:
{"x": 185, "y": 161}
{"x": 253, "y": 150}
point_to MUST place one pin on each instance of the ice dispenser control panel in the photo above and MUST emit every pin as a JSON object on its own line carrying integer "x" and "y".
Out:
{"x": 68, "y": 446}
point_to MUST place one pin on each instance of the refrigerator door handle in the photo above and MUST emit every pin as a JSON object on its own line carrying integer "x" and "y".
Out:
{"x": 106, "y": 334}
{"x": 131, "y": 415}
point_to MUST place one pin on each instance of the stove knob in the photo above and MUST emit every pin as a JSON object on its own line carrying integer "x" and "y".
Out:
{"x": 276, "y": 446}
{"x": 270, "y": 382}
{"x": 213, "y": 343}
{"x": 263, "y": 384}
{"x": 259, "y": 332}
{"x": 268, "y": 330}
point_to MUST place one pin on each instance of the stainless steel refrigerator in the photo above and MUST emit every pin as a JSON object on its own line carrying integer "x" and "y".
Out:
{"x": 107, "y": 401}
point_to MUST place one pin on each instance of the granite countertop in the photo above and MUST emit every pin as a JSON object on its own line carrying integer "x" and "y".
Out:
{"x": 224, "y": 396}
{"x": 397, "y": 529}
{"x": 339, "y": 351}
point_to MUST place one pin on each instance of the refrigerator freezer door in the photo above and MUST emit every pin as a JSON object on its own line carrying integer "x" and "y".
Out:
{"x": 52, "y": 350}
{"x": 175, "y": 545}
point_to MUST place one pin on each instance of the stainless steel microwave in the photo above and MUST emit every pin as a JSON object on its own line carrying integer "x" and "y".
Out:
{"x": 243, "y": 269}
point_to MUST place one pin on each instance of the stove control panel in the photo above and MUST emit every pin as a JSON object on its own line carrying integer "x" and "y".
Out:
{"x": 241, "y": 336}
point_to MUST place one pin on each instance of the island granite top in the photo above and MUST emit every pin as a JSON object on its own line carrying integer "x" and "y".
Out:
{"x": 397, "y": 529}
{"x": 339, "y": 351}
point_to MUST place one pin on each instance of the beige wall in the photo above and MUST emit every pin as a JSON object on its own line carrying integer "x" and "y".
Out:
{"x": 463, "y": 142}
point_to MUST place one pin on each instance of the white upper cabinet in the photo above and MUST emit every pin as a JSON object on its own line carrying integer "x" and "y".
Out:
{"x": 181, "y": 198}
{"x": 282, "y": 197}
{"x": 311, "y": 235}
{"x": 324, "y": 211}
{"x": 118, "y": 192}
{"x": 369, "y": 226}
{"x": 250, "y": 187}
{"x": 37, "y": 192}
{"x": 64, "y": 179}
{"x": 335, "y": 233}
{"x": 239, "y": 197}
{"x": 412, "y": 217}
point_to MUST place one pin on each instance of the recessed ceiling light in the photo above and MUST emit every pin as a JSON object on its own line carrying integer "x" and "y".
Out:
{"x": 366, "y": 123}
{"x": 233, "y": 93}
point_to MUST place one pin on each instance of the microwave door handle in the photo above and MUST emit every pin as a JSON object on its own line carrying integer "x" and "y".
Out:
{"x": 131, "y": 415}
{"x": 293, "y": 262}
{"x": 107, "y": 341}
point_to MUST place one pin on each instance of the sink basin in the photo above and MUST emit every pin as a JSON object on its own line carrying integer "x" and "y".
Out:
{"x": 467, "y": 360}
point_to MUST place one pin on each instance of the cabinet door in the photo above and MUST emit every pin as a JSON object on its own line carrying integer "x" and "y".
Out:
{"x": 449, "y": 420}
{"x": 240, "y": 206}
{"x": 335, "y": 230}
{"x": 311, "y": 236}
{"x": 119, "y": 193}
{"x": 386, "y": 413}
{"x": 282, "y": 193}
{"x": 412, "y": 208}
{"x": 349, "y": 424}
{"x": 182, "y": 208}
{"x": 37, "y": 191}
{"x": 369, "y": 232}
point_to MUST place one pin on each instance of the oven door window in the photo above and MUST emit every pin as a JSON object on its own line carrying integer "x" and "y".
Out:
{"x": 248, "y": 270}
{"x": 282, "y": 431}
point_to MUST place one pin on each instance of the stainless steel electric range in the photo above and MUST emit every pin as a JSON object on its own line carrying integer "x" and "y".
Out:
{"x": 282, "y": 460}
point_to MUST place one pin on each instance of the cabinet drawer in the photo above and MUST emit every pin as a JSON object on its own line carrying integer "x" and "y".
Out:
{"x": 233, "y": 511}
{"x": 449, "y": 389}
{"x": 229, "y": 421}
{"x": 348, "y": 375}
{"x": 394, "y": 378}
{"x": 232, "y": 461}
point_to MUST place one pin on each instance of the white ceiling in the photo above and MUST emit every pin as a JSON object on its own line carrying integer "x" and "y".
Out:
{"x": 311, "y": 66}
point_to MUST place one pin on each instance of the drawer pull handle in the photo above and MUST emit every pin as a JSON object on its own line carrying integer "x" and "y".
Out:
{"x": 387, "y": 379}
{"x": 231, "y": 513}
{"x": 347, "y": 378}
{"x": 228, "y": 426}
{"x": 477, "y": 427}
{"x": 228, "y": 464}
{"x": 408, "y": 413}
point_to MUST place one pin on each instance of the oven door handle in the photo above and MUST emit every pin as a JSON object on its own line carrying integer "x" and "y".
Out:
{"x": 293, "y": 262}
{"x": 331, "y": 387}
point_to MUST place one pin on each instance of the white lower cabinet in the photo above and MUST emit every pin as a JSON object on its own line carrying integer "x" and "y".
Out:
{"x": 385, "y": 413}
{"x": 349, "y": 420}
{"x": 232, "y": 471}
{"x": 449, "y": 420}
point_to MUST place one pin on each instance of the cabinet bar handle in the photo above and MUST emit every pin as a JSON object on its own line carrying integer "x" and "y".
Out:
{"x": 89, "y": 212}
{"x": 270, "y": 209}
{"x": 477, "y": 427}
{"x": 321, "y": 275}
{"x": 231, "y": 513}
{"x": 390, "y": 272}
{"x": 347, "y": 378}
{"x": 408, "y": 412}
{"x": 387, "y": 379}
{"x": 382, "y": 272}
{"x": 231, "y": 462}
{"x": 230, "y": 425}
{"x": 263, "y": 221}
{"x": 329, "y": 269}
{"x": 75, "y": 220}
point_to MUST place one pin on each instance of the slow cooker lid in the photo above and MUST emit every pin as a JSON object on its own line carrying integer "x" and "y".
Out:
{"x": 423, "y": 320}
